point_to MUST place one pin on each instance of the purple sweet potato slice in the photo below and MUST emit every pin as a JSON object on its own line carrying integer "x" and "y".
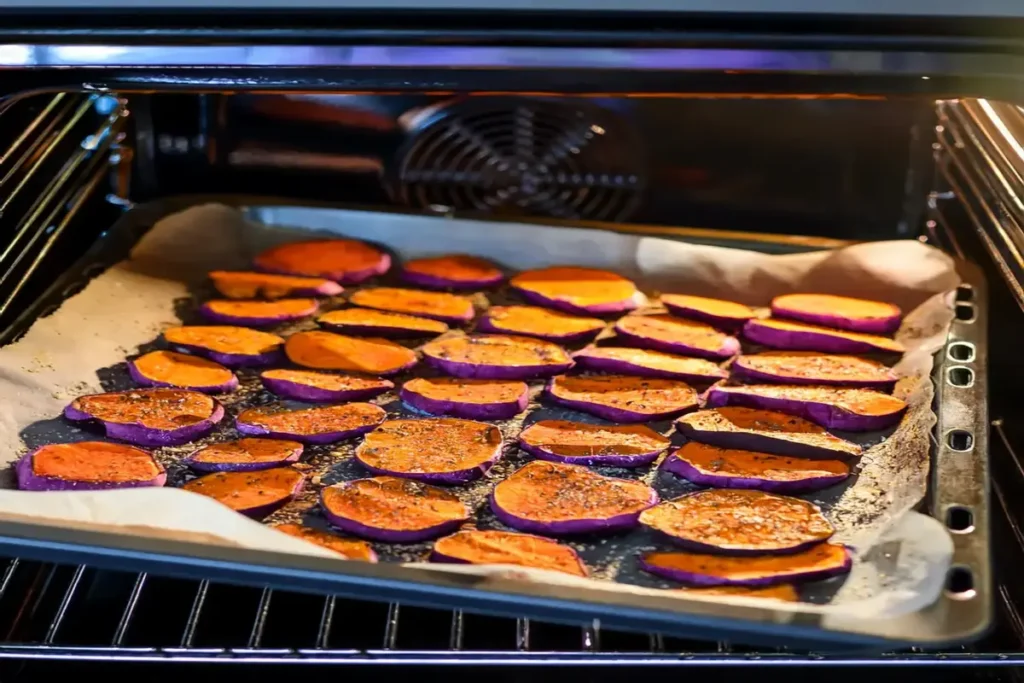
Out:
{"x": 253, "y": 494}
{"x": 458, "y": 271}
{"x": 852, "y": 410}
{"x": 371, "y": 323}
{"x": 393, "y": 509}
{"x": 675, "y": 335}
{"x": 580, "y": 443}
{"x": 448, "y": 308}
{"x": 149, "y": 417}
{"x": 736, "y": 469}
{"x": 181, "y": 371}
{"x": 621, "y": 398}
{"x": 811, "y": 367}
{"x": 766, "y": 431}
{"x": 436, "y": 450}
{"x": 234, "y": 347}
{"x": 647, "y": 363}
{"x": 783, "y": 334}
{"x": 571, "y": 289}
{"x": 88, "y": 466}
{"x": 346, "y": 261}
{"x": 818, "y": 562}
{"x": 322, "y": 387}
{"x": 557, "y": 499}
{"x": 257, "y": 313}
{"x": 349, "y": 548}
{"x": 841, "y": 312}
{"x": 534, "y": 321}
{"x": 326, "y": 424}
{"x": 474, "y": 546}
{"x": 327, "y": 351}
{"x": 727, "y": 315}
{"x": 492, "y": 356}
{"x": 244, "y": 455}
{"x": 739, "y": 521}
{"x": 243, "y": 285}
{"x": 474, "y": 399}
{"x": 784, "y": 591}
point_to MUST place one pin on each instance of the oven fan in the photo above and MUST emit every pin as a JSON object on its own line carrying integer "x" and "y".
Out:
{"x": 526, "y": 157}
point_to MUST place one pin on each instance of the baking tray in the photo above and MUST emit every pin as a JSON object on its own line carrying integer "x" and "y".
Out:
{"x": 958, "y": 493}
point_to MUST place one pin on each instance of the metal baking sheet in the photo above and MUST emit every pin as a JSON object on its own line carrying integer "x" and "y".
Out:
{"x": 609, "y": 559}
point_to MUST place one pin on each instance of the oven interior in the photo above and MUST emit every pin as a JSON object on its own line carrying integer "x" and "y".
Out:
{"x": 947, "y": 172}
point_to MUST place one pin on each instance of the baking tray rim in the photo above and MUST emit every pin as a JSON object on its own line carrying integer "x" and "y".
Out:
{"x": 954, "y": 618}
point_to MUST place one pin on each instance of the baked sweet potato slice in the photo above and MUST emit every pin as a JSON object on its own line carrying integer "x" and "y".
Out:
{"x": 245, "y": 285}
{"x": 234, "y": 347}
{"x": 473, "y": 399}
{"x": 584, "y": 291}
{"x": 457, "y": 271}
{"x": 738, "y": 469}
{"x": 371, "y": 323}
{"x": 437, "y": 450}
{"x": 675, "y": 335}
{"x": 766, "y": 431}
{"x": 841, "y": 312}
{"x": 580, "y": 443}
{"x": 852, "y": 410}
{"x": 739, "y": 521}
{"x": 785, "y": 592}
{"x": 244, "y": 455}
{"x": 557, "y": 499}
{"x": 392, "y": 509}
{"x": 621, "y": 398}
{"x": 346, "y": 261}
{"x": 726, "y": 315}
{"x": 254, "y": 494}
{"x": 88, "y": 466}
{"x": 818, "y": 562}
{"x": 181, "y": 371}
{"x": 448, "y": 308}
{"x": 475, "y": 546}
{"x": 322, "y": 387}
{"x": 492, "y": 356}
{"x": 534, "y": 321}
{"x": 149, "y": 417}
{"x": 784, "y": 334}
{"x": 349, "y": 548}
{"x": 328, "y": 351}
{"x": 813, "y": 368}
{"x": 647, "y": 363}
{"x": 326, "y": 424}
{"x": 257, "y": 313}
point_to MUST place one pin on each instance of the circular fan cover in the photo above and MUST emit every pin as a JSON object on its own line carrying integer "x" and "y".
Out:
{"x": 523, "y": 157}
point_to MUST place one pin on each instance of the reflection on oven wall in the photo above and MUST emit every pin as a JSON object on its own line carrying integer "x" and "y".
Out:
{"x": 837, "y": 167}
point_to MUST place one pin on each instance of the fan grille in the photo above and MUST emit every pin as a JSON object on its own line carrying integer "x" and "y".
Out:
{"x": 527, "y": 157}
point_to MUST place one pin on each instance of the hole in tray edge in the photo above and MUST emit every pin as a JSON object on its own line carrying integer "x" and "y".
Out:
{"x": 961, "y": 352}
{"x": 965, "y": 312}
{"x": 960, "y": 376}
{"x": 960, "y": 440}
{"x": 960, "y": 583}
{"x": 959, "y": 519}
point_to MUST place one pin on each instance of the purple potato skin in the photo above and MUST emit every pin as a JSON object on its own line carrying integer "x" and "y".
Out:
{"x": 353, "y": 277}
{"x": 389, "y": 535}
{"x": 717, "y": 321}
{"x": 606, "y": 308}
{"x": 303, "y": 392}
{"x": 681, "y": 467}
{"x": 28, "y": 481}
{"x": 469, "y": 411}
{"x": 754, "y": 442}
{"x": 485, "y": 325}
{"x": 433, "y": 282}
{"x": 313, "y": 439}
{"x": 623, "y": 522}
{"x": 145, "y": 436}
{"x": 749, "y": 375}
{"x": 618, "y": 367}
{"x": 262, "y": 511}
{"x": 471, "y": 371}
{"x": 881, "y": 326}
{"x": 806, "y": 341}
{"x": 625, "y": 461}
{"x": 709, "y": 580}
{"x": 452, "y": 478}
{"x": 140, "y": 378}
{"x": 829, "y": 417}
{"x": 730, "y": 346}
{"x": 233, "y": 360}
{"x": 264, "y": 321}
{"x": 373, "y": 331}
{"x": 618, "y": 415}
{"x": 200, "y": 466}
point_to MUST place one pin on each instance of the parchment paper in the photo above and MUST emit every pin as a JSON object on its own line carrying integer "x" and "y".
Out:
{"x": 901, "y": 555}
